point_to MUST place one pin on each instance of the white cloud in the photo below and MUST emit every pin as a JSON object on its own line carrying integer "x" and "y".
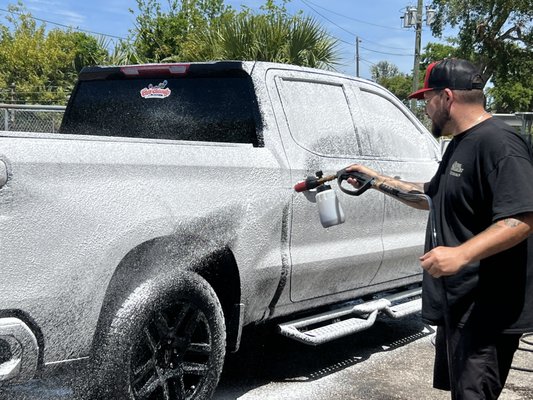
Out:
{"x": 55, "y": 10}
{"x": 71, "y": 17}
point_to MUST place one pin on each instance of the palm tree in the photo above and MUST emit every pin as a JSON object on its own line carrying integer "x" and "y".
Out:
{"x": 264, "y": 37}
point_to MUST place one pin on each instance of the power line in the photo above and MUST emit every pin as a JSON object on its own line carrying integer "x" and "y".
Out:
{"x": 367, "y": 61}
{"x": 389, "y": 54}
{"x": 327, "y": 19}
{"x": 383, "y": 45}
{"x": 63, "y": 25}
{"x": 353, "y": 34}
{"x": 351, "y": 18}
{"x": 340, "y": 40}
{"x": 357, "y": 20}
{"x": 367, "y": 49}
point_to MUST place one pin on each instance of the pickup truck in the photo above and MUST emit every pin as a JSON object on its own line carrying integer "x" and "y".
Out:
{"x": 162, "y": 219}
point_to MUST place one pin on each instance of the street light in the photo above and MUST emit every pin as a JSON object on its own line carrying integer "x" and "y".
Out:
{"x": 413, "y": 18}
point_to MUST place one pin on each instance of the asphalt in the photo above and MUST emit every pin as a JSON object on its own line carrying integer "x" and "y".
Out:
{"x": 391, "y": 360}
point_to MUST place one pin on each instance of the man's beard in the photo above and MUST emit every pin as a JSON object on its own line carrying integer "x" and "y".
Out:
{"x": 438, "y": 122}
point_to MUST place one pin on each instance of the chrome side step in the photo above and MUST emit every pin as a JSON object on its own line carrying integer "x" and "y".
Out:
{"x": 344, "y": 321}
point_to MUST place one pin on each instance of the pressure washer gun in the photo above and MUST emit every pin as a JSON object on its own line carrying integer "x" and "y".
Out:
{"x": 312, "y": 182}
{"x": 329, "y": 207}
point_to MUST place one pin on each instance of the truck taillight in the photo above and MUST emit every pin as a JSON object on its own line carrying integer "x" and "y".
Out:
{"x": 171, "y": 69}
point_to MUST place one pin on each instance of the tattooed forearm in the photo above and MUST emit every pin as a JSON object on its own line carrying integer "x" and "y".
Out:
{"x": 512, "y": 222}
{"x": 504, "y": 223}
{"x": 500, "y": 236}
{"x": 407, "y": 192}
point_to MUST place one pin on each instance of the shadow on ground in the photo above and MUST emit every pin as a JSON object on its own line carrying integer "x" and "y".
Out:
{"x": 266, "y": 357}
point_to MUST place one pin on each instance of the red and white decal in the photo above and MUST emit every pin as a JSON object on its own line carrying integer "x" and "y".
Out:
{"x": 156, "y": 92}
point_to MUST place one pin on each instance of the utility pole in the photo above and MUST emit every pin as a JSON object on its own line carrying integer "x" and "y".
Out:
{"x": 413, "y": 18}
{"x": 418, "y": 40}
{"x": 357, "y": 56}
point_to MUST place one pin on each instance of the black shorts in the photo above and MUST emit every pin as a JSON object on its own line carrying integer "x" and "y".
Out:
{"x": 481, "y": 362}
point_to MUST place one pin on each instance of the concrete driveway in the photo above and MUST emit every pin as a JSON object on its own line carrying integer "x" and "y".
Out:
{"x": 392, "y": 360}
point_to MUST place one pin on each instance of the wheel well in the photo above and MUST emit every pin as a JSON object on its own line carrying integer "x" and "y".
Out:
{"x": 221, "y": 272}
{"x": 156, "y": 257}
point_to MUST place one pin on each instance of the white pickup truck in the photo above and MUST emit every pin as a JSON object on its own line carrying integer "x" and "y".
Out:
{"x": 162, "y": 219}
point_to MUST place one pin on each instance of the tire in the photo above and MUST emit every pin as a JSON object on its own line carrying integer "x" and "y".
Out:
{"x": 166, "y": 341}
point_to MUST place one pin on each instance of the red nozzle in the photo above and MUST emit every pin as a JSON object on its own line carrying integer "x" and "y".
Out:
{"x": 310, "y": 183}
{"x": 301, "y": 186}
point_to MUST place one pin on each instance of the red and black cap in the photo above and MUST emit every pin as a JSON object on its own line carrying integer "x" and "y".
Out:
{"x": 450, "y": 73}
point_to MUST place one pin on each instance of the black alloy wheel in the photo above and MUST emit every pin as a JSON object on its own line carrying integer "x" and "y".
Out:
{"x": 166, "y": 341}
{"x": 172, "y": 358}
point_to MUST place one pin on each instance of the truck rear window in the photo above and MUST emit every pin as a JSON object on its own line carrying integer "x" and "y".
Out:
{"x": 205, "y": 108}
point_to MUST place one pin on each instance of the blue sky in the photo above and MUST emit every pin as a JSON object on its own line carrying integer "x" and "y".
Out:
{"x": 377, "y": 23}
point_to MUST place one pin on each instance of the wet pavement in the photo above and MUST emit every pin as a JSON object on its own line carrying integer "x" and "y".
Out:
{"x": 391, "y": 360}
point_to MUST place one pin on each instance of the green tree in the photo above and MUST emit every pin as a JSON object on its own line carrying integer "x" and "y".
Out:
{"x": 121, "y": 53}
{"x": 160, "y": 33}
{"x": 389, "y": 76}
{"x": 434, "y": 52}
{"x": 201, "y": 30}
{"x": 497, "y": 35}
{"x": 511, "y": 97}
{"x": 41, "y": 66}
{"x": 400, "y": 85}
{"x": 270, "y": 35}
{"x": 383, "y": 69}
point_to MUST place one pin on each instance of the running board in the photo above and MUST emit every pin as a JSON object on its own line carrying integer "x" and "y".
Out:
{"x": 334, "y": 324}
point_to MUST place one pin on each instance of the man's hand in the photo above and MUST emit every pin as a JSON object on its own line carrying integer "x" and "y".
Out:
{"x": 391, "y": 186}
{"x": 364, "y": 170}
{"x": 443, "y": 261}
{"x": 500, "y": 236}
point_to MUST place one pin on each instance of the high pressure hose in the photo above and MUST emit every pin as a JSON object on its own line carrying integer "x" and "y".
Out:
{"x": 365, "y": 183}
{"x": 434, "y": 243}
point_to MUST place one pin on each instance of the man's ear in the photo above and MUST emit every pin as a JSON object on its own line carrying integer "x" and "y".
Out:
{"x": 449, "y": 97}
{"x": 448, "y": 94}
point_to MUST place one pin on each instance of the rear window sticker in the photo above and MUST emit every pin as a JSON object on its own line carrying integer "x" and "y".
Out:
{"x": 156, "y": 92}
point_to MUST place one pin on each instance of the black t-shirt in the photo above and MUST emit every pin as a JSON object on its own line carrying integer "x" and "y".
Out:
{"x": 486, "y": 174}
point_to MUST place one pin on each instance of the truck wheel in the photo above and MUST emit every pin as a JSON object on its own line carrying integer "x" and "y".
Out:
{"x": 166, "y": 341}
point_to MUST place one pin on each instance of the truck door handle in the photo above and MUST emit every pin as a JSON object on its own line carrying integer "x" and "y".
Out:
{"x": 3, "y": 173}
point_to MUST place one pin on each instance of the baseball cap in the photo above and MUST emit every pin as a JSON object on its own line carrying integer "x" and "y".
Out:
{"x": 450, "y": 73}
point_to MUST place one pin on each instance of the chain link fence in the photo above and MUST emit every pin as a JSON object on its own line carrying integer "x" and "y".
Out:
{"x": 31, "y": 118}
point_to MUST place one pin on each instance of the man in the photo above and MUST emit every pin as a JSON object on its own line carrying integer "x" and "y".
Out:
{"x": 478, "y": 278}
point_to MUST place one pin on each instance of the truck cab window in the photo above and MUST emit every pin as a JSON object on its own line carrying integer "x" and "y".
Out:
{"x": 396, "y": 135}
{"x": 319, "y": 117}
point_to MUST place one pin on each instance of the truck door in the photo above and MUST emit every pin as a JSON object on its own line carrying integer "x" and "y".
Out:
{"x": 404, "y": 149}
{"x": 320, "y": 132}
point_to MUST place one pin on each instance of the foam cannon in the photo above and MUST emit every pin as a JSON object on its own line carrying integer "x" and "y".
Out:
{"x": 329, "y": 207}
